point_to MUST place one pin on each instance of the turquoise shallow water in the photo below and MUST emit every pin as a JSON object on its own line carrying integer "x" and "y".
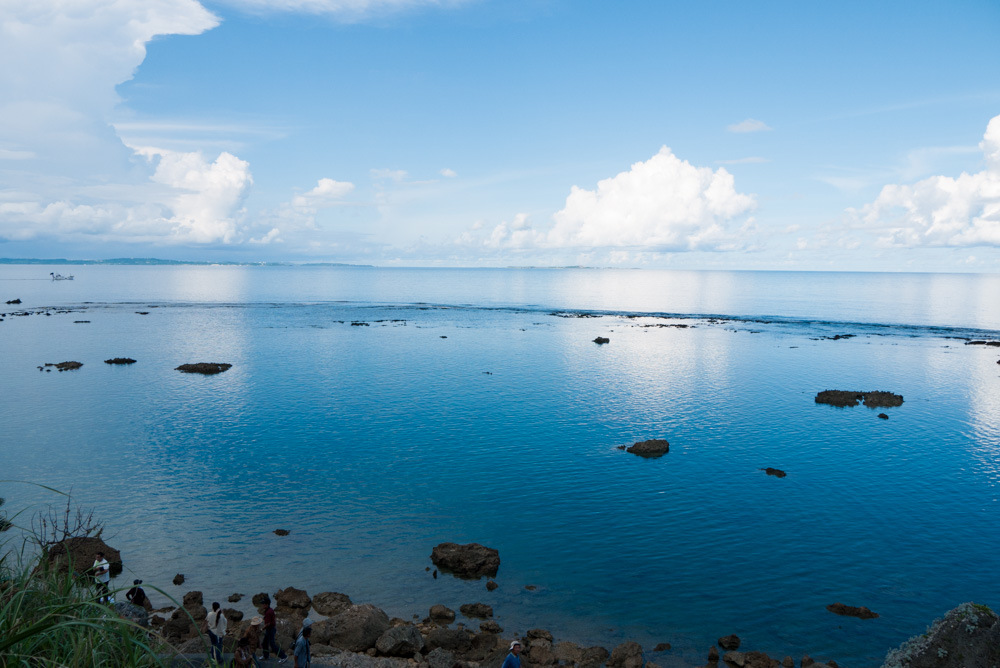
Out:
{"x": 374, "y": 443}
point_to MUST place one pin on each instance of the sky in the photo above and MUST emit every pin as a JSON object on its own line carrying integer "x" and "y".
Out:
{"x": 692, "y": 135}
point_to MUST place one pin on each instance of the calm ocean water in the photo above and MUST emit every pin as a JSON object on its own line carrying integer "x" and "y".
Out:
{"x": 474, "y": 406}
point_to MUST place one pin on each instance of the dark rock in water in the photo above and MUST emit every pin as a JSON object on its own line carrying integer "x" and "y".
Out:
{"x": 281, "y": 532}
{"x": 593, "y": 657}
{"x": 759, "y": 660}
{"x": 15, "y": 301}
{"x": 235, "y": 598}
{"x": 968, "y": 343}
{"x": 206, "y": 368}
{"x": 65, "y": 366}
{"x": 662, "y": 647}
{"x": 873, "y": 399}
{"x": 260, "y": 599}
{"x": 179, "y": 579}
{"x": 477, "y": 610}
{"x": 851, "y": 611}
{"x": 232, "y": 614}
{"x": 142, "y": 312}
{"x": 77, "y": 555}
{"x": 777, "y": 473}
{"x": 966, "y": 637}
{"x": 490, "y": 626}
{"x": 730, "y": 642}
{"x": 330, "y": 603}
{"x": 491, "y": 585}
{"x": 656, "y": 447}
{"x": 404, "y": 640}
{"x": 81, "y": 322}
{"x": 193, "y": 598}
{"x": 530, "y": 587}
{"x": 359, "y": 324}
{"x": 440, "y": 613}
{"x": 466, "y": 561}
{"x": 713, "y": 655}
{"x": 601, "y": 340}
{"x": 883, "y": 416}
{"x": 838, "y": 337}
{"x": 626, "y": 655}
{"x": 120, "y": 360}
{"x": 292, "y": 601}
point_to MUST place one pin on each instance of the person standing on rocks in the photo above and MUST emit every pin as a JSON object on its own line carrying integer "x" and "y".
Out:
{"x": 252, "y": 636}
{"x": 102, "y": 576}
{"x": 513, "y": 659}
{"x": 270, "y": 631}
{"x": 302, "y": 656}
{"x": 136, "y": 595}
{"x": 216, "y": 630}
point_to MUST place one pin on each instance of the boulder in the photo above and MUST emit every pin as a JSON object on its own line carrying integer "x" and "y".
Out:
{"x": 713, "y": 655}
{"x": 871, "y": 399}
{"x": 569, "y": 653}
{"x": 78, "y": 554}
{"x": 851, "y": 611}
{"x": 260, "y": 599}
{"x": 457, "y": 641}
{"x": 655, "y": 447}
{"x": 291, "y": 598}
{"x": 626, "y": 655}
{"x": 662, "y": 647}
{"x": 120, "y": 360}
{"x": 477, "y": 610}
{"x": 335, "y": 657}
{"x": 966, "y": 637}
{"x": 235, "y": 598}
{"x": 281, "y": 532}
{"x": 356, "y": 629}
{"x": 734, "y": 658}
{"x": 601, "y": 340}
{"x": 330, "y": 603}
{"x": 491, "y": 585}
{"x": 179, "y": 579}
{"x": 467, "y": 561}
{"x": 594, "y": 657}
{"x": 404, "y": 641}
{"x": 490, "y": 626}
{"x": 205, "y": 368}
{"x": 65, "y": 366}
{"x": 759, "y": 660}
{"x": 442, "y": 614}
{"x": 539, "y": 634}
{"x": 777, "y": 473}
{"x": 540, "y": 653}
{"x": 729, "y": 642}
{"x": 134, "y": 613}
{"x": 441, "y": 658}
{"x": 233, "y": 615}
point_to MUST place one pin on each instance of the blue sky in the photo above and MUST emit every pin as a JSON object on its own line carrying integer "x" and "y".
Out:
{"x": 782, "y": 135}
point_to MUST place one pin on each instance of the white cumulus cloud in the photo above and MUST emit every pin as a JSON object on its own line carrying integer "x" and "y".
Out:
{"x": 662, "y": 204}
{"x": 942, "y": 210}
{"x": 347, "y": 10}
{"x": 326, "y": 193}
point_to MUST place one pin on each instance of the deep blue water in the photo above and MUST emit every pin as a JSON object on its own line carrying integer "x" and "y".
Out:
{"x": 374, "y": 443}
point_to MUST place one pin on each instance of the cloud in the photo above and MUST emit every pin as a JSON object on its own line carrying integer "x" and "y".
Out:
{"x": 942, "y": 210}
{"x": 326, "y": 193}
{"x": 752, "y": 160}
{"x": 383, "y": 174}
{"x": 749, "y": 125}
{"x": 449, "y": 173}
{"x": 346, "y": 10}
{"x": 663, "y": 204}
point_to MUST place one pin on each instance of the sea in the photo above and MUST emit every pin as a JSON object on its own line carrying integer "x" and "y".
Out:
{"x": 376, "y": 412}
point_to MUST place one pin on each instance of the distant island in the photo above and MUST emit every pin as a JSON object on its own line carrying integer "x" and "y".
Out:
{"x": 159, "y": 262}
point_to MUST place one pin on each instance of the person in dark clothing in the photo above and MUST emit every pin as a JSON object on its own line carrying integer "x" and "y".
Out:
{"x": 136, "y": 595}
{"x": 270, "y": 644}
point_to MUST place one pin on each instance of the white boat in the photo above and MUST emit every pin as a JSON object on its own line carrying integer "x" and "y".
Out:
{"x": 60, "y": 277}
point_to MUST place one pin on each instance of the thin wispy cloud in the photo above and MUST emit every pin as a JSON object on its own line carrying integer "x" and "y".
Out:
{"x": 749, "y": 125}
{"x": 752, "y": 160}
{"x": 343, "y": 10}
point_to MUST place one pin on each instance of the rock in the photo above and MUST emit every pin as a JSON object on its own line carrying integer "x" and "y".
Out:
{"x": 490, "y": 626}
{"x": 402, "y": 640}
{"x": 15, "y": 301}
{"x": 330, "y": 603}
{"x": 873, "y": 399}
{"x": 729, "y": 642}
{"x": 593, "y": 657}
{"x": 491, "y": 585}
{"x": 453, "y": 640}
{"x": 807, "y": 661}
{"x": 777, "y": 473}
{"x": 440, "y": 613}
{"x": 966, "y": 637}
{"x": 883, "y": 416}
{"x": 656, "y": 447}
{"x": 530, "y": 587}
{"x": 788, "y": 662}
{"x": 206, "y": 368}
{"x": 569, "y": 653}
{"x": 78, "y": 555}
{"x": 601, "y": 340}
{"x": 120, "y": 360}
{"x": 281, "y": 532}
{"x": 260, "y": 599}
{"x": 759, "y": 660}
{"x": 291, "y": 598}
{"x": 968, "y": 343}
{"x": 232, "y": 614}
{"x": 539, "y": 634}
{"x": 650, "y": 664}
{"x": 235, "y": 598}
{"x": 65, "y": 366}
{"x": 356, "y": 629}
{"x": 467, "y": 561}
{"x": 133, "y": 613}
{"x": 713, "y": 655}
{"x": 734, "y": 658}
{"x": 441, "y": 658}
{"x": 851, "y": 611}
{"x": 477, "y": 610}
{"x": 662, "y": 647}
{"x": 626, "y": 655}
{"x": 539, "y": 652}
{"x": 193, "y": 598}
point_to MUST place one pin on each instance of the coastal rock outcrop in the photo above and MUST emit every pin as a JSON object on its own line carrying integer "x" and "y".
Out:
{"x": 404, "y": 641}
{"x": 466, "y": 561}
{"x": 477, "y": 610}
{"x": 120, "y": 360}
{"x": 329, "y": 603}
{"x": 356, "y": 629}
{"x": 626, "y": 655}
{"x": 205, "y": 368}
{"x": 440, "y": 658}
{"x": 134, "y": 613}
{"x": 966, "y": 637}
{"x": 730, "y": 642}
{"x": 872, "y": 399}
{"x": 654, "y": 447}
{"x": 78, "y": 555}
{"x": 851, "y": 611}
{"x": 65, "y": 366}
{"x": 292, "y": 602}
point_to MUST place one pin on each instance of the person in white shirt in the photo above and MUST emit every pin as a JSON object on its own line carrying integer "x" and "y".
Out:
{"x": 216, "y": 630}
{"x": 102, "y": 576}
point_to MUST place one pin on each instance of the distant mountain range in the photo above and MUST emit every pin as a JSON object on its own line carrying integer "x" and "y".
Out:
{"x": 157, "y": 261}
